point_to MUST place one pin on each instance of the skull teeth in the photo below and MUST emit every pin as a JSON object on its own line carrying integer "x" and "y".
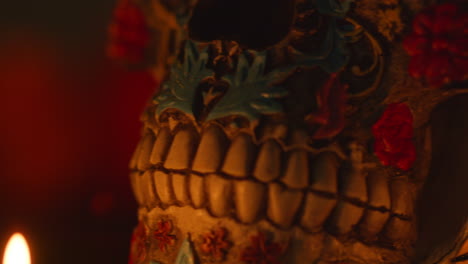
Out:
{"x": 161, "y": 146}
{"x": 345, "y": 217}
{"x": 296, "y": 173}
{"x": 250, "y": 182}
{"x": 182, "y": 150}
{"x": 240, "y": 156}
{"x": 268, "y": 167}
{"x": 379, "y": 197}
{"x": 145, "y": 152}
{"x": 197, "y": 190}
{"x": 316, "y": 211}
{"x": 150, "y": 197}
{"x": 249, "y": 200}
{"x": 324, "y": 168}
{"x": 219, "y": 195}
{"x": 210, "y": 153}
{"x": 163, "y": 183}
{"x": 180, "y": 187}
{"x": 283, "y": 204}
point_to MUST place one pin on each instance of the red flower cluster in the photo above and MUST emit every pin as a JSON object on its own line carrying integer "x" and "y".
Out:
{"x": 438, "y": 45}
{"x": 163, "y": 235}
{"x": 138, "y": 245}
{"x": 129, "y": 34}
{"x": 262, "y": 251}
{"x": 393, "y": 134}
{"x": 331, "y": 102}
{"x": 215, "y": 244}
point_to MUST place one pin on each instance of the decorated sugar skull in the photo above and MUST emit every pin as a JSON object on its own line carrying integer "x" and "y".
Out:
{"x": 291, "y": 132}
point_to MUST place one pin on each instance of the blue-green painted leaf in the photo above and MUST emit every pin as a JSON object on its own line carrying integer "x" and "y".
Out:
{"x": 178, "y": 92}
{"x": 185, "y": 255}
{"x": 250, "y": 93}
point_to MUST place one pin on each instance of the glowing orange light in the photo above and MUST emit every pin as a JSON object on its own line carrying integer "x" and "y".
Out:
{"x": 17, "y": 251}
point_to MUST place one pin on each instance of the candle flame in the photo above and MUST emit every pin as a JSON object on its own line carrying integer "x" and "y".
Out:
{"x": 17, "y": 250}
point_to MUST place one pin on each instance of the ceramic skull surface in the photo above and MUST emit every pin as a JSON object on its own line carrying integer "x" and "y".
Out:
{"x": 291, "y": 132}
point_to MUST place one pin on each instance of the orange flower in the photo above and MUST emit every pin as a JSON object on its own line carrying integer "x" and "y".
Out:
{"x": 215, "y": 244}
{"x": 163, "y": 235}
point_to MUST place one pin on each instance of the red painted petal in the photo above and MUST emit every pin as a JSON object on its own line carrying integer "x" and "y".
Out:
{"x": 447, "y": 9}
{"x": 459, "y": 46}
{"x": 415, "y": 44}
{"x": 440, "y": 44}
{"x": 461, "y": 64}
{"x": 450, "y": 19}
{"x": 422, "y": 23}
{"x": 405, "y": 162}
{"x": 393, "y": 134}
{"x": 417, "y": 65}
{"x": 437, "y": 81}
{"x": 437, "y": 66}
{"x": 444, "y": 24}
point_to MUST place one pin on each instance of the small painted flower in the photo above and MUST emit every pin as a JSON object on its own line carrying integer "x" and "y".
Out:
{"x": 129, "y": 34}
{"x": 163, "y": 235}
{"x": 437, "y": 45}
{"x": 138, "y": 245}
{"x": 262, "y": 251}
{"x": 214, "y": 244}
{"x": 393, "y": 134}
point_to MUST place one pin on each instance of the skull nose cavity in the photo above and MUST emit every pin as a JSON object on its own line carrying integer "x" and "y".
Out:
{"x": 255, "y": 24}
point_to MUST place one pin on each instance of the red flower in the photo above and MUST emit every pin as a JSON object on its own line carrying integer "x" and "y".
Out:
{"x": 262, "y": 251}
{"x": 163, "y": 235}
{"x": 215, "y": 244}
{"x": 331, "y": 101}
{"x": 129, "y": 34}
{"x": 438, "y": 45}
{"x": 138, "y": 245}
{"x": 393, "y": 134}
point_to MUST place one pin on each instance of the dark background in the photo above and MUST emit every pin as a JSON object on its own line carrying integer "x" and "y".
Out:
{"x": 68, "y": 125}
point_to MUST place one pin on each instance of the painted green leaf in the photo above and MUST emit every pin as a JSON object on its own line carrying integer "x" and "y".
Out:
{"x": 178, "y": 92}
{"x": 250, "y": 93}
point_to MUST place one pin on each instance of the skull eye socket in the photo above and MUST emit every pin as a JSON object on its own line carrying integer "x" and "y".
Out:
{"x": 252, "y": 23}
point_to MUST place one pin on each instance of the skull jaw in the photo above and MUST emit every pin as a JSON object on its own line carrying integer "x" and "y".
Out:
{"x": 315, "y": 201}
